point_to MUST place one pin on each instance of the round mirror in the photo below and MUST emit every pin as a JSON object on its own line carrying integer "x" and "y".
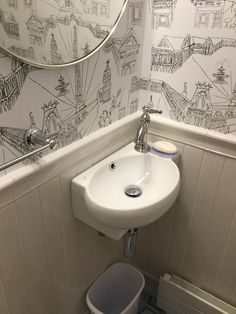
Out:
{"x": 53, "y": 33}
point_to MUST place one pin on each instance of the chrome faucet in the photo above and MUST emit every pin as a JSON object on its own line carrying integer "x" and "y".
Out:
{"x": 141, "y": 144}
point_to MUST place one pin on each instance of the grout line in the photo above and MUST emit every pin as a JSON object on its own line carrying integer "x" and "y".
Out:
{"x": 171, "y": 235}
{"x": 16, "y": 208}
{"x": 233, "y": 222}
{"x": 214, "y": 203}
{"x": 193, "y": 212}
{"x": 60, "y": 223}
{"x": 173, "y": 221}
{"x": 63, "y": 241}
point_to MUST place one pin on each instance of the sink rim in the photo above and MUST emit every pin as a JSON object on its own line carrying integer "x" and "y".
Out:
{"x": 138, "y": 215}
{"x": 99, "y": 167}
{"x": 111, "y": 219}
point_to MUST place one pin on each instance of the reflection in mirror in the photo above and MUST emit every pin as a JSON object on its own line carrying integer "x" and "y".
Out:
{"x": 48, "y": 33}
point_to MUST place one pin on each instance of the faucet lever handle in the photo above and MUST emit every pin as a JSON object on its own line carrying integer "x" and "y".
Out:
{"x": 148, "y": 110}
{"x": 155, "y": 111}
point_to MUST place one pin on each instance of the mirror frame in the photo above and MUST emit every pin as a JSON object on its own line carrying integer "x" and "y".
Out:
{"x": 58, "y": 66}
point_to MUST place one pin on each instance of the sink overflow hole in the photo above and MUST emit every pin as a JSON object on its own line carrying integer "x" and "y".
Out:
{"x": 133, "y": 191}
{"x": 112, "y": 166}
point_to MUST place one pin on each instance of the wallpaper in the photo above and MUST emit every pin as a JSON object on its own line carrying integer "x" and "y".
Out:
{"x": 177, "y": 56}
{"x": 55, "y": 32}
{"x": 189, "y": 69}
{"x": 72, "y": 102}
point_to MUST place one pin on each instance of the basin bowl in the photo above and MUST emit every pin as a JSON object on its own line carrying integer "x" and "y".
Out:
{"x": 129, "y": 189}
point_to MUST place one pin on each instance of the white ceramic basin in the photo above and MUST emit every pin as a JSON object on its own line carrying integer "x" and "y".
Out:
{"x": 104, "y": 185}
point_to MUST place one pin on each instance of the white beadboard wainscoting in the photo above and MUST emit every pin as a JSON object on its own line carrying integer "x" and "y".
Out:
{"x": 196, "y": 239}
{"x": 48, "y": 259}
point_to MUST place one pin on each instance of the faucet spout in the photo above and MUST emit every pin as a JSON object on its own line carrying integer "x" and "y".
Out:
{"x": 141, "y": 143}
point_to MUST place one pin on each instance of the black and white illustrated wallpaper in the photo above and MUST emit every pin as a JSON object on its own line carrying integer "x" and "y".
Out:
{"x": 191, "y": 70}
{"x": 175, "y": 55}
{"x": 56, "y": 31}
{"x": 72, "y": 102}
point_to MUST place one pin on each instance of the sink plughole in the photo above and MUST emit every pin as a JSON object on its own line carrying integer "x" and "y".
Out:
{"x": 128, "y": 189}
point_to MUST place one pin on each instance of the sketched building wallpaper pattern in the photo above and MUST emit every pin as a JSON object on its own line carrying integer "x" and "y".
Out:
{"x": 190, "y": 67}
{"x": 72, "y": 102}
{"x": 188, "y": 70}
{"x": 45, "y": 31}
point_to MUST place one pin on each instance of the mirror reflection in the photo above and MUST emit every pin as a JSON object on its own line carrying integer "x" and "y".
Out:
{"x": 56, "y": 32}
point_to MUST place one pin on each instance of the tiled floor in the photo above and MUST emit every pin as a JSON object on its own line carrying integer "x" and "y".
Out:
{"x": 150, "y": 311}
{"x": 147, "y": 306}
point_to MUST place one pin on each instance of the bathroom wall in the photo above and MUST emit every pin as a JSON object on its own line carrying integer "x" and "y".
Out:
{"x": 189, "y": 67}
{"x": 189, "y": 72}
{"x": 196, "y": 239}
{"x": 49, "y": 98}
{"x": 48, "y": 259}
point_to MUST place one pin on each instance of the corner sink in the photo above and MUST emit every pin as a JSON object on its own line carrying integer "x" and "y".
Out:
{"x": 127, "y": 189}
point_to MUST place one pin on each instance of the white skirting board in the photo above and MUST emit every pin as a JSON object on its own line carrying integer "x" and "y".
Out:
{"x": 177, "y": 296}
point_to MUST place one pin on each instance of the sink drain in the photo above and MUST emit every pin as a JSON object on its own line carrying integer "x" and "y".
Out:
{"x": 133, "y": 191}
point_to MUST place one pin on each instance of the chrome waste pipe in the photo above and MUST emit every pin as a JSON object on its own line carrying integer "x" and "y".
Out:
{"x": 130, "y": 243}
